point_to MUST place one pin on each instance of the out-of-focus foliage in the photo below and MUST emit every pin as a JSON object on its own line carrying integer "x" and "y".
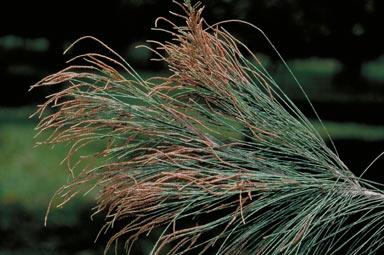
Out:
{"x": 345, "y": 30}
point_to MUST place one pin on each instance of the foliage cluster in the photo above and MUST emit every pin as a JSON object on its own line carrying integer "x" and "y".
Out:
{"x": 216, "y": 144}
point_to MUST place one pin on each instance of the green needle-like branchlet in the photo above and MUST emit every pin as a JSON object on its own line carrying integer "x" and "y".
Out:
{"x": 215, "y": 144}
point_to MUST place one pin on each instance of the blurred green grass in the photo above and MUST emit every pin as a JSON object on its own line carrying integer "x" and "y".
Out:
{"x": 317, "y": 77}
{"x": 30, "y": 176}
{"x": 350, "y": 130}
{"x": 375, "y": 69}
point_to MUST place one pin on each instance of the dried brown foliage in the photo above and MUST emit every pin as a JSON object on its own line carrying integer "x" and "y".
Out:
{"x": 165, "y": 159}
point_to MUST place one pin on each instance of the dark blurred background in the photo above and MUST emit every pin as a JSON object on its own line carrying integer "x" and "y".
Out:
{"x": 34, "y": 34}
{"x": 335, "y": 48}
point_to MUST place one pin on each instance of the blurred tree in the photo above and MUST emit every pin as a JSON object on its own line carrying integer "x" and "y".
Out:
{"x": 344, "y": 29}
{"x": 119, "y": 23}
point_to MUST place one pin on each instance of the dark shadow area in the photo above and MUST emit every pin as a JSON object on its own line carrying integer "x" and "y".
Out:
{"x": 360, "y": 112}
{"x": 357, "y": 155}
{"x": 32, "y": 49}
